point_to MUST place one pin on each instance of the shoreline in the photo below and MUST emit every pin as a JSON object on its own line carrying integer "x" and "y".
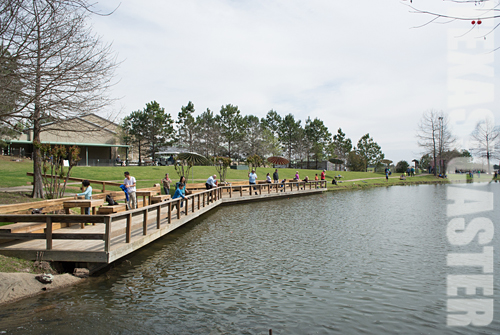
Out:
{"x": 18, "y": 286}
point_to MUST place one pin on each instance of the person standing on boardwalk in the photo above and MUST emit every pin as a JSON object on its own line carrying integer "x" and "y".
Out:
{"x": 129, "y": 183}
{"x": 87, "y": 194}
{"x": 211, "y": 182}
{"x": 297, "y": 176}
{"x": 166, "y": 184}
{"x": 180, "y": 190}
{"x": 252, "y": 177}
{"x": 276, "y": 177}
{"x": 323, "y": 177}
{"x": 268, "y": 178}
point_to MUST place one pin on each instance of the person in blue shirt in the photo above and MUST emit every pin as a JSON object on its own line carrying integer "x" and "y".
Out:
{"x": 87, "y": 194}
{"x": 180, "y": 190}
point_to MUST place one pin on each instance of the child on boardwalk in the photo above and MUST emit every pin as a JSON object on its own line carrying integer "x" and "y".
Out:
{"x": 180, "y": 190}
{"x": 166, "y": 184}
{"x": 87, "y": 194}
{"x": 252, "y": 176}
{"x": 129, "y": 183}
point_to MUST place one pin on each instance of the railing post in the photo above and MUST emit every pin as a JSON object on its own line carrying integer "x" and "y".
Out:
{"x": 129, "y": 228}
{"x": 103, "y": 187}
{"x": 170, "y": 212}
{"x": 204, "y": 193}
{"x": 231, "y": 191}
{"x": 107, "y": 236}
{"x": 158, "y": 216}
{"x": 192, "y": 204}
{"x": 145, "y": 222}
{"x": 241, "y": 191}
{"x": 260, "y": 189}
{"x": 48, "y": 233}
{"x": 179, "y": 208}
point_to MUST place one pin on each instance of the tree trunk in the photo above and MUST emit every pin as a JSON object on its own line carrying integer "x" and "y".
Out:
{"x": 140, "y": 160}
{"x": 37, "y": 161}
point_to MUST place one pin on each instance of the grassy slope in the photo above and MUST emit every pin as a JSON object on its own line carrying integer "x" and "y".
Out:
{"x": 14, "y": 174}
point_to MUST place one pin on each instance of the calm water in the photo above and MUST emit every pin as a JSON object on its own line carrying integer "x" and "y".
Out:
{"x": 371, "y": 262}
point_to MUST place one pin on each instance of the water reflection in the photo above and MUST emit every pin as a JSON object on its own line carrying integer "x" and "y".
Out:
{"x": 354, "y": 262}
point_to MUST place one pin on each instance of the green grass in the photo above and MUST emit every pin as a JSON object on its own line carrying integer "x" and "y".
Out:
{"x": 12, "y": 264}
{"x": 146, "y": 176}
{"x": 14, "y": 174}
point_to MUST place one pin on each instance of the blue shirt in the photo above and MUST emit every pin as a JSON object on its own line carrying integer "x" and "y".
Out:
{"x": 87, "y": 193}
{"x": 252, "y": 177}
{"x": 179, "y": 192}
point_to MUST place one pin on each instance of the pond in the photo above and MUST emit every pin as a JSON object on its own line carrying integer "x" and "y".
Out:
{"x": 370, "y": 261}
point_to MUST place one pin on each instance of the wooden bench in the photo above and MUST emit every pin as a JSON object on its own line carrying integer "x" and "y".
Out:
{"x": 31, "y": 227}
{"x": 112, "y": 209}
{"x": 159, "y": 198}
{"x": 196, "y": 187}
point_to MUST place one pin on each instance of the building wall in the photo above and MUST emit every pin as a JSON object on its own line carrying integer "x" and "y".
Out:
{"x": 87, "y": 129}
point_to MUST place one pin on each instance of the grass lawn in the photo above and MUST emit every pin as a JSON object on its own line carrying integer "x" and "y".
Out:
{"x": 12, "y": 264}
{"x": 14, "y": 174}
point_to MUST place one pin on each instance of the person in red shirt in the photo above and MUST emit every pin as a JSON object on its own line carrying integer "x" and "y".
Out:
{"x": 323, "y": 175}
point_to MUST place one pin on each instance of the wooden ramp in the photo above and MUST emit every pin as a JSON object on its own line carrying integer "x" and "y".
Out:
{"x": 113, "y": 236}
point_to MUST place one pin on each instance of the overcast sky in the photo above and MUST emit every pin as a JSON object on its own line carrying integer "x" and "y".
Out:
{"x": 359, "y": 65}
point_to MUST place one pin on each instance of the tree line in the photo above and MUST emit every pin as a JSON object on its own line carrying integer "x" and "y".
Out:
{"x": 229, "y": 133}
{"x": 435, "y": 136}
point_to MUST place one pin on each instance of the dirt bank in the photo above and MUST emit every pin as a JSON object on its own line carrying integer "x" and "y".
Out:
{"x": 16, "y": 286}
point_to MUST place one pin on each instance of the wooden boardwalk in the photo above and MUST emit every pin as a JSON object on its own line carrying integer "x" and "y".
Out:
{"x": 114, "y": 236}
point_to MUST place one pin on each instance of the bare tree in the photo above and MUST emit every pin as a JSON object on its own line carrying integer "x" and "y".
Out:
{"x": 473, "y": 11}
{"x": 64, "y": 69}
{"x": 434, "y": 135}
{"x": 485, "y": 140}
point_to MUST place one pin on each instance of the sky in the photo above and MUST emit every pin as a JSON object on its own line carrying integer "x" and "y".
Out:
{"x": 363, "y": 66}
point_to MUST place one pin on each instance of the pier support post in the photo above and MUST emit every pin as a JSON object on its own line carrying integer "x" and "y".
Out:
{"x": 107, "y": 236}
{"x": 158, "y": 217}
{"x": 48, "y": 233}
{"x": 145, "y": 222}
{"x": 169, "y": 212}
{"x": 129, "y": 228}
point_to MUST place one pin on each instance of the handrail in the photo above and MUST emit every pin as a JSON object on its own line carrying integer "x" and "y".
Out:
{"x": 92, "y": 181}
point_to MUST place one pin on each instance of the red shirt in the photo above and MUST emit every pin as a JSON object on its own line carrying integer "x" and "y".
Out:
{"x": 323, "y": 175}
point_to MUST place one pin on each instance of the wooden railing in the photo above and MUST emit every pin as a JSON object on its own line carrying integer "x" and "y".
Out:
{"x": 57, "y": 204}
{"x": 102, "y": 183}
{"x": 164, "y": 210}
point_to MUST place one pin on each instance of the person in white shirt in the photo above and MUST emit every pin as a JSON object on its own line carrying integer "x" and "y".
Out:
{"x": 129, "y": 184}
{"x": 211, "y": 182}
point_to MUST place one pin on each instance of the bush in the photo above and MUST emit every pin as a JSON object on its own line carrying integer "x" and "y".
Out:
{"x": 402, "y": 166}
